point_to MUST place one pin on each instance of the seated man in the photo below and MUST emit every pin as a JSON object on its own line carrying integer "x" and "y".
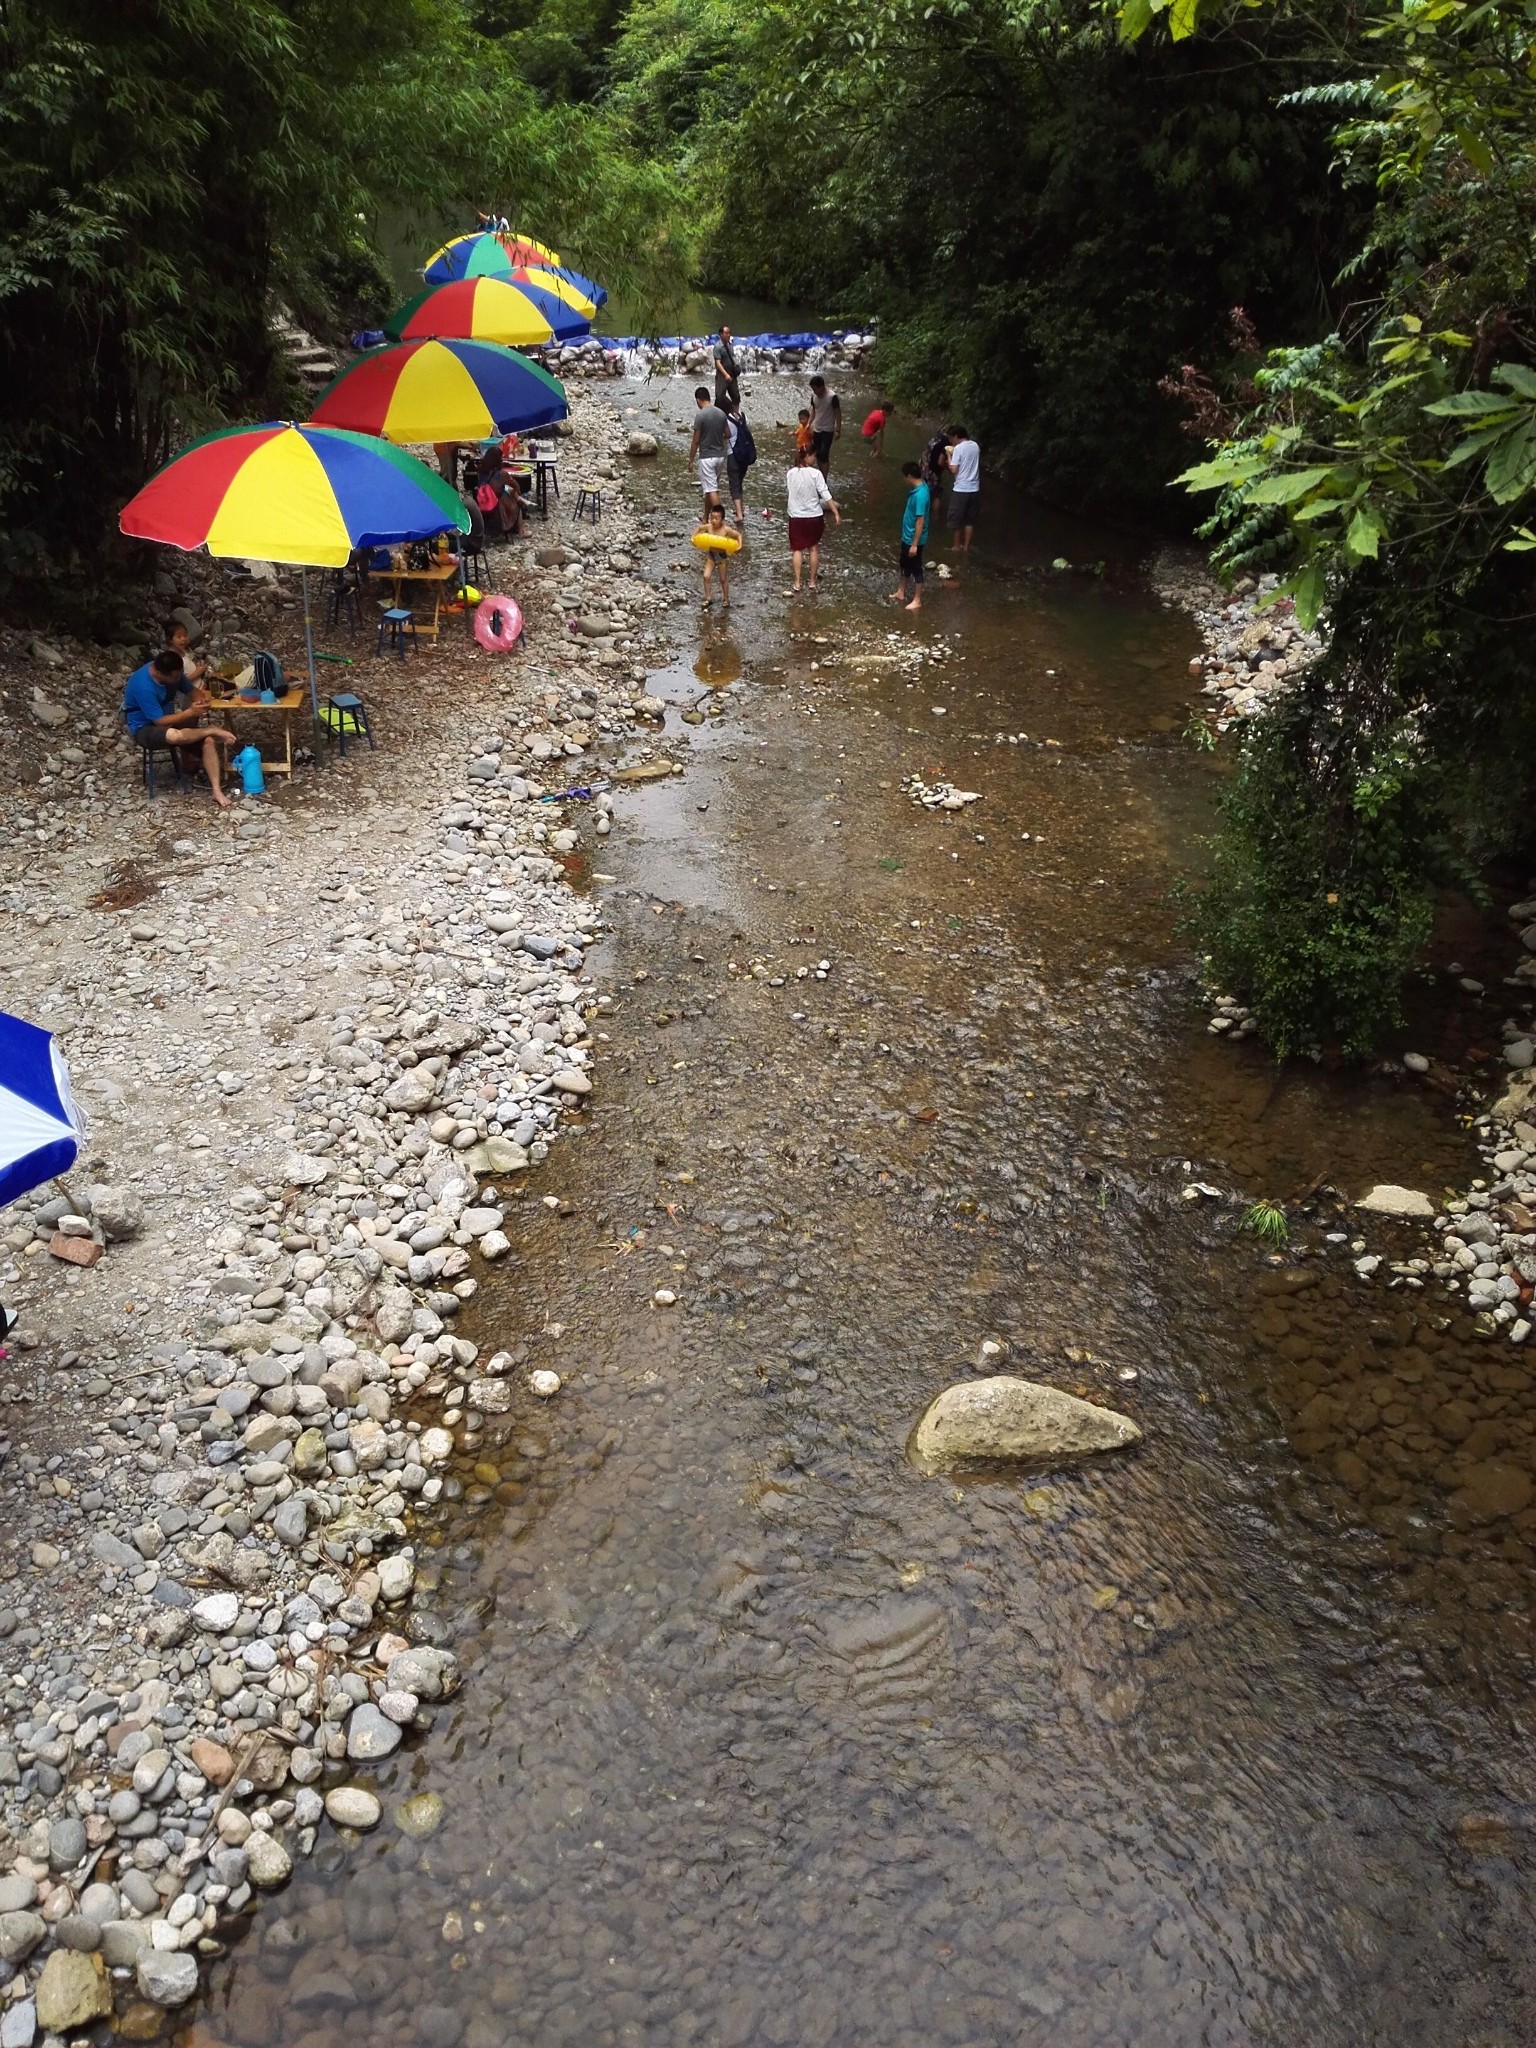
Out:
{"x": 499, "y": 498}
{"x": 149, "y": 708}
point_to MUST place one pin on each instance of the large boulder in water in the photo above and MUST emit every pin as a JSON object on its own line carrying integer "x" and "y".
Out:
{"x": 1387, "y": 1199}
{"x": 1015, "y": 1419}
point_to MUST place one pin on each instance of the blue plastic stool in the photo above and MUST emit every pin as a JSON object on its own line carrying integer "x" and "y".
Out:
{"x": 394, "y": 625}
{"x": 342, "y": 714}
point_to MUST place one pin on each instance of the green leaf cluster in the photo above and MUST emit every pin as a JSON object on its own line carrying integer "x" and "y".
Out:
{"x": 1389, "y": 472}
{"x": 169, "y": 168}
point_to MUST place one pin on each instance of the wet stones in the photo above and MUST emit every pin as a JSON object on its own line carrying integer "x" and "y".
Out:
{"x": 420, "y": 1816}
{"x": 397, "y": 1574}
{"x": 429, "y": 1673}
{"x": 350, "y": 1806}
{"x": 1492, "y": 1490}
{"x": 268, "y": 1862}
{"x": 371, "y": 1736}
{"x": 166, "y": 1976}
{"x": 73, "y": 1990}
{"x": 1015, "y": 1419}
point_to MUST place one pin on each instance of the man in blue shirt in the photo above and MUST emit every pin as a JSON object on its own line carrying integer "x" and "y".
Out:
{"x": 149, "y": 710}
{"x": 914, "y": 530}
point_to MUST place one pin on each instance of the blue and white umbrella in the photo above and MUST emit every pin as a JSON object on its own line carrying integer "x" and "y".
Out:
{"x": 39, "y": 1125}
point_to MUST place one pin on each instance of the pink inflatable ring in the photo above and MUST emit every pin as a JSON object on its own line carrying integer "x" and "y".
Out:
{"x": 498, "y": 624}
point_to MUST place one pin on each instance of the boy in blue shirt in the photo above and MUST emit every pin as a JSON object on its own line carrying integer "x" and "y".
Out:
{"x": 914, "y": 530}
{"x": 149, "y": 711}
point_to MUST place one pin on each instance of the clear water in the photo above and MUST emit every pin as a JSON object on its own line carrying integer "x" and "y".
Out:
{"x": 768, "y": 1738}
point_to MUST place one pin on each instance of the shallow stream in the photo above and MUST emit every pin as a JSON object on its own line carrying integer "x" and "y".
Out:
{"x": 767, "y": 1738}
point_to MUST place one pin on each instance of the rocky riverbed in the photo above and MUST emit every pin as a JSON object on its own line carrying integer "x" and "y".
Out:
{"x": 323, "y": 1044}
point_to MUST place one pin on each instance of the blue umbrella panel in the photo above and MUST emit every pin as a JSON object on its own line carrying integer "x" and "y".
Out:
{"x": 39, "y": 1124}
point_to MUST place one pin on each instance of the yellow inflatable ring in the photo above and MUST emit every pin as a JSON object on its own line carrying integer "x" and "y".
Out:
{"x": 717, "y": 543}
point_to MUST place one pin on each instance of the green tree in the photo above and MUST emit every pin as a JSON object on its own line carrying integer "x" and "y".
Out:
{"x": 559, "y": 46}
{"x": 168, "y": 166}
{"x": 1389, "y": 472}
{"x": 1045, "y": 220}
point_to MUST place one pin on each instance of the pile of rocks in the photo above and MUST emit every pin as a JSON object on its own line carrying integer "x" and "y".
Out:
{"x": 1231, "y": 1019}
{"x": 1253, "y": 654}
{"x": 78, "y": 1228}
{"x": 1254, "y": 647}
{"x": 1488, "y": 1238}
{"x": 939, "y": 796}
{"x": 693, "y": 356}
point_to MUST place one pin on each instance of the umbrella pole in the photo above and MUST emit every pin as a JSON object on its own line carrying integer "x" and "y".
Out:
{"x": 309, "y": 655}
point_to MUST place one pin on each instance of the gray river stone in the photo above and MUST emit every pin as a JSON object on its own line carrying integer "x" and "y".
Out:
{"x": 1016, "y": 1419}
{"x": 167, "y": 1976}
{"x": 19, "y": 1935}
{"x": 1390, "y": 1200}
{"x": 369, "y": 1735}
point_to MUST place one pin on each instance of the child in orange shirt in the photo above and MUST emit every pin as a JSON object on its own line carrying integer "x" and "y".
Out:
{"x": 804, "y": 438}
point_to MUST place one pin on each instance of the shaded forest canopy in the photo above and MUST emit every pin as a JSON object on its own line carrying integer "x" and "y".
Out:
{"x": 1310, "y": 223}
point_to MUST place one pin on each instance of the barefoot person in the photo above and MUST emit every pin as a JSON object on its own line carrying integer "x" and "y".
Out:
{"x": 149, "y": 709}
{"x": 809, "y": 503}
{"x": 708, "y": 445}
{"x": 914, "y": 530}
{"x": 713, "y": 530}
{"x": 965, "y": 467}
{"x": 873, "y": 428}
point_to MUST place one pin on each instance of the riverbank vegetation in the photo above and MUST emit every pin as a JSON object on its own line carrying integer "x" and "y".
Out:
{"x": 1388, "y": 471}
{"x": 1045, "y": 220}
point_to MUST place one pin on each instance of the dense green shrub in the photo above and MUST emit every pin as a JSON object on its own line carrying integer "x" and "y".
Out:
{"x": 1391, "y": 470}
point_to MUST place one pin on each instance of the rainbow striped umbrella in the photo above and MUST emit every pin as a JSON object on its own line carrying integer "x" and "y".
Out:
{"x": 442, "y": 391}
{"x": 302, "y": 494}
{"x": 281, "y": 493}
{"x": 493, "y": 255}
{"x": 486, "y": 309}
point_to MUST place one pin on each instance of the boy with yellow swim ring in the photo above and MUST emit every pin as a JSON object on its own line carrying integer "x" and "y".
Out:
{"x": 717, "y": 546}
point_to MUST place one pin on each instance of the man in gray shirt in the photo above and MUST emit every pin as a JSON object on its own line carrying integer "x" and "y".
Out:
{"x": 708, "y": 445}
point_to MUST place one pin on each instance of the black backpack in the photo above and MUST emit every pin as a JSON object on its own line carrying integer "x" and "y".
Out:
{"x": 268, "y": 673}
{"x": 744, "y": 454}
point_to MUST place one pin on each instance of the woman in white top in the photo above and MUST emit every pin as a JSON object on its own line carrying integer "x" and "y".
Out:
{"x": 809, "y": 502}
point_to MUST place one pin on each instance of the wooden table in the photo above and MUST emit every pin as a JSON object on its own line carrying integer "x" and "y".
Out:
{"x": 295, "y": 698}
{"x": 439, "y": 574}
